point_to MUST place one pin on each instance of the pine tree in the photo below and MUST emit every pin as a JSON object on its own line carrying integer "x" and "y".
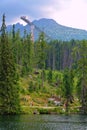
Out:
{"x": 9, "y": 88}
{"x": 28, "y": 55}
{"x": 41, "y": 51}
{"x": 82, "y": 73}
{"x": 41, "y": 54}
{"x": 68, "y": 87}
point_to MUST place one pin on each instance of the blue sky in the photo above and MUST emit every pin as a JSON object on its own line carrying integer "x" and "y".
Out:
{"x": 72, "y": 13}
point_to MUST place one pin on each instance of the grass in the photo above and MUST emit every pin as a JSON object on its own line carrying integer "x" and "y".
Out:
{"x": 42, "y": 110}
{"x": 36, "y": 99}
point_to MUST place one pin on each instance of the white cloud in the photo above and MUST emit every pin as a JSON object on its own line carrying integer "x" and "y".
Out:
{"x": 66, "y": 12}
{"x": 74, "y": 15}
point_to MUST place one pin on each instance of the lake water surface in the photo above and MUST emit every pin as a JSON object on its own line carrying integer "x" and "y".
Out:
{"x": 43, "y": 122}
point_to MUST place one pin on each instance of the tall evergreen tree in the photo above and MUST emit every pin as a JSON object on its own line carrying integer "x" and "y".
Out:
{"x": 68, "y": 87}
{"x": 41, "y": 51}
{"x": 41, "y": 54}
{"x": 28, "y": 54}
{"x": 9, "y": 88}
{"x": 82, "y": 73}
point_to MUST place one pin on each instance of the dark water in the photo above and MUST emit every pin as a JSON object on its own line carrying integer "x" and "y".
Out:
{"x": 43, "y": 122}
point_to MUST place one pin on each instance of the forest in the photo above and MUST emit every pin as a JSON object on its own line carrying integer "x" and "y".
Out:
{"x": 31, "y": 73}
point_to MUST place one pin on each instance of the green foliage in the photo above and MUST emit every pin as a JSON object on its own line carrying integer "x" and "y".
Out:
{"x": 34, "y": 86}
{"x": 41, "y": 51}
{"x": 78, "y": 88}
{"x": 9, "y": 88}
{"x": 50, "y": 76}
{"x": 68, "y": 87}
{"x": 19, "y": 56}
{"x": 81, "y": 50}
{"x": 67, "y": 84}
{"x": 31, "y": 87}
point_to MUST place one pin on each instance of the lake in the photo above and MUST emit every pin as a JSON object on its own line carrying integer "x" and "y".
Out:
{"x": 43, "y": 122}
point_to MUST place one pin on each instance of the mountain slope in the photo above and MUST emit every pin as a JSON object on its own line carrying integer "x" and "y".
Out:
{"x": 53, "y": 30}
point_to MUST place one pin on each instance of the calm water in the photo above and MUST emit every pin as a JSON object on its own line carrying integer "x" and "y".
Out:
{"x": 43, "y": 122}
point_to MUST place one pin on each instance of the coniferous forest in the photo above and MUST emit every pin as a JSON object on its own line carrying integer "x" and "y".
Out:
{"x": 33, "y": 73}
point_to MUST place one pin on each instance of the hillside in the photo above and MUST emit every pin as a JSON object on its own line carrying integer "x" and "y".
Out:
{"x": 47, "y": 99}
{"x": 53, "y": 30}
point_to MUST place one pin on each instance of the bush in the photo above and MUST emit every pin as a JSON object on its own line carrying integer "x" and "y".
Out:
{"x": 31, "y": 87}
{"x": 44, "y": 111}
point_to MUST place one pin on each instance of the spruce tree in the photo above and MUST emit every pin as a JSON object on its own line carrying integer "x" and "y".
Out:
{"x": 82, "y": 74}
{"x": 68, "y": 87}
{"x": 41, "y": 51}
{"x": 41, "y": 54}
{"x": 9, "y": 88}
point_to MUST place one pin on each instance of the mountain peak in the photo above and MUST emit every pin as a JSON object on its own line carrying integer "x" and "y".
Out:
{"x": 54, "y": 30}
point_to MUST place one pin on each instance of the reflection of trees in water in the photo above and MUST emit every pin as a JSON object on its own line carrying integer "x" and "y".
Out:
{"x": 43, "y": 122}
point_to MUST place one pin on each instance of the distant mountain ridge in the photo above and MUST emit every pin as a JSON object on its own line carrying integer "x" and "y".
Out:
{"x": 52, "y": 29}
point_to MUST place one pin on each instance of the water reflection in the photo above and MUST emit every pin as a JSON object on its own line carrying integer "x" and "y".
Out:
{"x": 43, "y": 122}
